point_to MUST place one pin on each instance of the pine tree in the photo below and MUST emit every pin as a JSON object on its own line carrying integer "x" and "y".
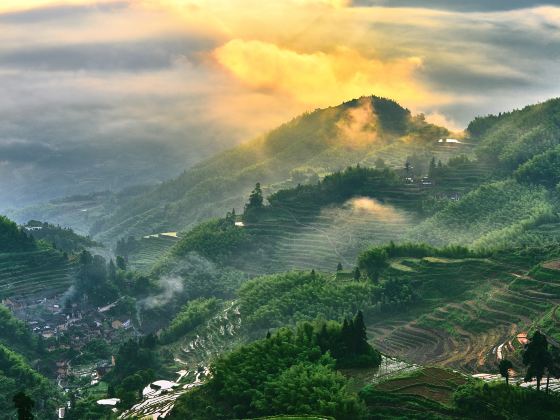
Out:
{"x": 357, "y": 274}
{"x": 256, "y": 197}
{"x": 339, "y": 267}
{"x": 360, "y": 335}
{"x": 504, "y": 367}
{"x": 24, "y": 406}
{"x": 432, "y": 169}
{"x": 536, "y": 357}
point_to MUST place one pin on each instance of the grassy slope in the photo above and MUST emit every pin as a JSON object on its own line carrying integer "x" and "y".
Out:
{"x": 42, "y": 271}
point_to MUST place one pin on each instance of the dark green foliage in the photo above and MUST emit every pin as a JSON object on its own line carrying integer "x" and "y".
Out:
{"x": 134, "y": 356}
{"x": 421, "y": 250}
{"x": 16, "y": 375}
{"x": 536, "y": 357}
{"x": 193, "y": 314}
{"x": 92, "y": 280}
{"x": 504, "y": 368}
{"x": 494, "y": 216}
{"x": 93, "y": 351}
{"x": 255, "y": 204}
{"x": 281, "y": 299}
{"x": 339, "y": 187}
{"x": 347, "y": 343}
{"x": 543, "y": 169}
{"x": 499, "y": 401}
{"x": 213, "y": 239}
{"x": 513, "y": 138}
{"x": 24, "y": 406}
{"x": 383, "y": 405}
{"x": 286, "y": 373}
{"x": 88, "y": 409}
{"x": 15, "y": 333}
{"x": 63, "y": 239}
{"x": 129, "y": 389}
{"x": 373, "y": 262}
{"x": 12, "y": 238}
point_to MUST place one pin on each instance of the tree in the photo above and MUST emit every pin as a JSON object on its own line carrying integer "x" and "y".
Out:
{"x": 380, "y": 164}
{"x": 357, "y": 274}
{"x": 553, "y": 368}
{"x": 374, "y": 261}
{"x": 256, "y": 197}
{"x": 24, "y": 406}
{"x": 112, "y": 271}
{"x": 432, "y": 169}
{"x": 121, "y": 263}
{"x": 359, "y": 333}
{"x": 504, "y": 367}
{"x": 339, "y": 267}
{"x": 536, "y": 357}
{"x": 255, "y": 203}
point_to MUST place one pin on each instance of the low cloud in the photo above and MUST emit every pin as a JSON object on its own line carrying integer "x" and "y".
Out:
{"x": 323, "y": 78}
{"x": 382, "y": 212}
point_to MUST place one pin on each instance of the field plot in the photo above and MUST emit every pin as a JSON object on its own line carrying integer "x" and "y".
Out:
{"x": 431, "y": 383}
{"x": 300, "y": 239}
{"x": 148, "y": 251}
{"x": 488, "y": 303}
{"x": 24, "y": 274}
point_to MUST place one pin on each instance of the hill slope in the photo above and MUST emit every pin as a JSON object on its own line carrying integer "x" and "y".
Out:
{"x": 309, "y": 146}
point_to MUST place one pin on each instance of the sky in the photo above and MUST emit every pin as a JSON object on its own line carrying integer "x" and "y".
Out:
{"x": 104, "y": 94}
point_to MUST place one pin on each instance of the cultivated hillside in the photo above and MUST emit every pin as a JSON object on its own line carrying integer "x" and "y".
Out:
{"x": 300, "y": 151}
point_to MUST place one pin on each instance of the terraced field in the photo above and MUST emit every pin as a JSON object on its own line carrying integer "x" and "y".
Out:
{"x": 149, "y": 251}
{"x": 192, "y": 356}
{"x": 42, "y": 271}
{"x": 491, "y": 302}
{"x": 298, "y": 238}
{"x": 431, "y": 383}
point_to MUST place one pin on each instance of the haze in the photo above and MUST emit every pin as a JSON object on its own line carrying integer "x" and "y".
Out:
{"x": 102, "y": 95}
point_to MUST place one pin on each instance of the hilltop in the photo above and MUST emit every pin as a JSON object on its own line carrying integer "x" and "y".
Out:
{"x": 368, "y": 130}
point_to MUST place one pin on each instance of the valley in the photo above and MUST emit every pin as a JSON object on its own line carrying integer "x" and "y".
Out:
{"x": 397, "y": 273}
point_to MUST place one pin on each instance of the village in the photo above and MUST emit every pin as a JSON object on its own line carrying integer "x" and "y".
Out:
{"x": 69, "y": 336}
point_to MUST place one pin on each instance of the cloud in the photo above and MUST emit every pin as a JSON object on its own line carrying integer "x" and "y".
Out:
{"x": 458, "y": 5}
{"x": 322, "y": 78}
{"x": 49, "y": 13}
{"x": 164, "y": 83}
{"x": 139, "y": 55}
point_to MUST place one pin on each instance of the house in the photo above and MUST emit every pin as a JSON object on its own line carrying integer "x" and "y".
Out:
{"x": 426, "y": 181}
{"x": 116, "y": 324}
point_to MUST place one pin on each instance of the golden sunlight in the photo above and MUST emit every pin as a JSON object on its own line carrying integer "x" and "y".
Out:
{"x": 321, "y": 78}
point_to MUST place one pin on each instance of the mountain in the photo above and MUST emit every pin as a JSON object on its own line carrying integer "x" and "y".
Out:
{"x": 301, "y": 151}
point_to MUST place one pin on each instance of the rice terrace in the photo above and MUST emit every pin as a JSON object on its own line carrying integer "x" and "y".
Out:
{"x": 279, "y": 210}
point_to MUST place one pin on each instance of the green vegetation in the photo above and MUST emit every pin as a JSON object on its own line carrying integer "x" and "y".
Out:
{"x": 43, "y": 270}
{"x": 15, "y": 334}
{"x": 491, "y": 217}
{"x": 295, "y": 375}
{"x": 542, "y": 169}
{"x": 17, "y": 375}
{"x": 513, "y": 138}
{"x": 63, "y": 239}
{"x": 276, "y": 300}
{"x": 12, "y": 238}
{"x": 311, "y": 145}
{"x": 194, "y": 313}
{"x": 500, "y": 401}
{"x": 216, "y": 239}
